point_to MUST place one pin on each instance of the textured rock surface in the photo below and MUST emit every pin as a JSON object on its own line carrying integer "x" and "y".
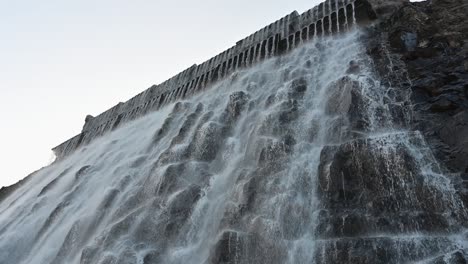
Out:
{"x": 430, "y": 40}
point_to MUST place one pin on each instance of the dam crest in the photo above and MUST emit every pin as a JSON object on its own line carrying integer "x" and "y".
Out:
{"x": 276, "y": 39}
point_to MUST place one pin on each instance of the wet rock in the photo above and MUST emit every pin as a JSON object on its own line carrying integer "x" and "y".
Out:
{"x": 353, "y": 68}
{"x": 371, "y": 177}
{"x": 173, "y": 154}
{"x": 289, "y": 112}
{"x": 137, "y": 162}
{"x": 274, "y": 151}
{"x": 244, "y": 248}
{"x": 293, "y": 219}
{"x": 380, "y": 250}
{"x": 109, "y": 259}
{"x": 52, "y": 183}
{"x": 82, "y": 171}
{"x": 236, "y": 104}
{"x": 109, "y": 199}
{"x": 229, "y": 248}
{"x": 70, "y": 243}
{"x": 180, "y": 208}
{"x": 339, "y": 223}
{"x": 188, "y": 124}
{"x": 405, "y": 24}
{"x": 183, "y": 203}
{"x": 297, "y": 89}
{"x": 339, "y": 99}
{"x": 162, "y": 132}
{"x": 54, "y": 216}
{"x": 430, "y": 39}
{"x": 171, "y": 180}
{"x": 207, "y": 141}
{"x": 357, "y": 114}
{"x": 177, "y": 111}
{"x": 250, "y": 192}
{"x": 152, "y": 258}
{"x": 338, "y": 130}
{"x": 429, "y": 84}
{"x": 88, "y": 254}
{"x": 457, "y": 257}
{"x": 385, "y": 8}
{"x": 179, "y": 107}
{"x": 270, "y": 100}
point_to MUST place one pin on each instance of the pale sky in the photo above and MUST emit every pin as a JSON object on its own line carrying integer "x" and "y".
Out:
{"x": 63, "y": 59}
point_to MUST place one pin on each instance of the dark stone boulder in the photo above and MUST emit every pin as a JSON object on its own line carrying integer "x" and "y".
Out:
{"x": 289, "y": 112}
{"x": 350, "y": 113}
{"x": 237, "y": 102}
{"x": 82, "y": 172}
{"x": 182, "y": 204}
{"x": 297, "y": 89}
{"x": 275, "y": 151}
{"x": 372, "y": 186}
{"x": 152, "y": 257}
{"x": 171, "y": 180}
{"x": 404, "y": 35}
{"x": 384, "y": 8}
{"x": 339, "y": 97}
{"x": 207, "y": 141}
{"x": 188, "y": 124}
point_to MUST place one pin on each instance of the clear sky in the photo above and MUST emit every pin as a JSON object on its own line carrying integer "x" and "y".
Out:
{"x": 63, "y": 59}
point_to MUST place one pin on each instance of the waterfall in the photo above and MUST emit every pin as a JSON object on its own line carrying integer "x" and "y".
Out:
{"x": 337, "y": 10}
{"x": 323, "y": 19}
{"x": 303, "y": 158}
{"x": 354, "y": 13}
{"x": 345, "y": 26}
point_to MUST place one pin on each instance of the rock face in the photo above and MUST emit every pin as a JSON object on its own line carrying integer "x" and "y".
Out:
{"x": 363, "y": 187}
{"x": 385, "y": 8}
{"x": 430, "y": 42}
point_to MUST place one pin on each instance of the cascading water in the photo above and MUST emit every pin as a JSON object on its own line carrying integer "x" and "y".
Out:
{"x": 304, "y": 158}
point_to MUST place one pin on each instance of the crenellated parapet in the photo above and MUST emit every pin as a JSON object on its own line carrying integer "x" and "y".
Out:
{"x": 281, "y": 36}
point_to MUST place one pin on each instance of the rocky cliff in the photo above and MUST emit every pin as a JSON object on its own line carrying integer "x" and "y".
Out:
{"x": 428, "y": 42}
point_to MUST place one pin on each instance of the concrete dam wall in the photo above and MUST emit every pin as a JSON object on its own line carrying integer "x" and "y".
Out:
{"x": 281, "y": 36}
